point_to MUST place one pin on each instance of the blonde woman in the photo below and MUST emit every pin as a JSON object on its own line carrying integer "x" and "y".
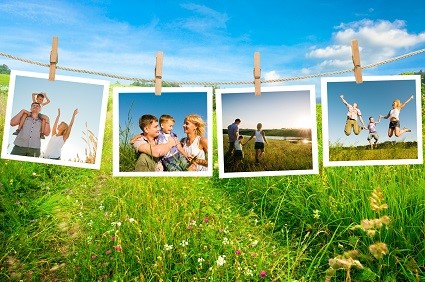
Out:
{"x": 260, "y": 139}
{"x": 393, "y": 115}
{"x": 60, "y": 133}
{"x": 195, "y": 144}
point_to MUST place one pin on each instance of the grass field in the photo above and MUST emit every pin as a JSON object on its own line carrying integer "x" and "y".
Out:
{"x": 279, "y": 155}
{"x": 67, "y": 224}
{"x": 384, "y": 151}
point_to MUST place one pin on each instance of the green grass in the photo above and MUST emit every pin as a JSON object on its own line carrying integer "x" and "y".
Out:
{"x": 279, "y": 155}
{"x": 4, "y": 79}
{"x": 384, "y": 151}
{"x": 68, "y": 224}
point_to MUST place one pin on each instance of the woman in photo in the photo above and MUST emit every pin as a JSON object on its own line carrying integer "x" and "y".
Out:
{"x": 195, "y": 144}
{"x": 393, "y": 115}
{"x": 59, "y": 136}
{"x": 260, "y": 139}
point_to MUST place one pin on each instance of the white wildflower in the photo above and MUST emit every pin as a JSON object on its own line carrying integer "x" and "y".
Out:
{"x": 221, "y": 260}
{"x": 168, "y": 247}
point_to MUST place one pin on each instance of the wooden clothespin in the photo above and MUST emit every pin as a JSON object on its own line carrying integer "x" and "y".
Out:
{"x": 257, "y": 74}
{"x": 158, "y": 72}
{"x": 356, "y": 61}
{"x": 53, "y": 58}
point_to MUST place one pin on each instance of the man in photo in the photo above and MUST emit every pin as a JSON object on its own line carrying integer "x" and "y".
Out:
{"x": 28, "y": 140}
{"x": 352, "y": 114}
{"x": 233, "y": 133}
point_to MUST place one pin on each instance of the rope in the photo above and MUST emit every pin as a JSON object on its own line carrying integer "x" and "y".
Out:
{"x": 214, "y": 83}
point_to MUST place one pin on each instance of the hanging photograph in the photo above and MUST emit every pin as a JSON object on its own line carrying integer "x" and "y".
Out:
{"x": 55, "y": 122}
{"x": 267, "y": 135}
{"x": 162, "y": 135}
{"x": 377, "y": 122}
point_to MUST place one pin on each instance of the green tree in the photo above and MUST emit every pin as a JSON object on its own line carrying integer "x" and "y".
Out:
{"x": 4, "y": 69}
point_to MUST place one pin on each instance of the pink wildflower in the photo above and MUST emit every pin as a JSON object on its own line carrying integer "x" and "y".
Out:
{"x": 118, "y": 248}
{"x": 93, "y": 256}
{"x": 238, "y": 252}
{"x": 108, "y": 252}
{"x": 113, "y": 238}
{"x": 263, "y": 273}
{"x": 206, "y": 219}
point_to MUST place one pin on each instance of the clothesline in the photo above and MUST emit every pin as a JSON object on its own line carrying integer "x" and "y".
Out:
{"x": 208, "y": 83}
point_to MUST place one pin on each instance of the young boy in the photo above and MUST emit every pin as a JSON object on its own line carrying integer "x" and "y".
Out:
{"x": 176, "y": 158}
{"x": 238, "y": 154}
{"x": 38, "y": 98}
{"x": 372, "y": 131}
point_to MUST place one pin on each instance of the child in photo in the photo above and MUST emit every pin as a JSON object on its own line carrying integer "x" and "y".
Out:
{"x": 43, "y": 100}
{"x": 373, "y": 134}
{"x": 238, "y": 153}
{"x": 176, "y": 158}
{"x": 60, "y": 133}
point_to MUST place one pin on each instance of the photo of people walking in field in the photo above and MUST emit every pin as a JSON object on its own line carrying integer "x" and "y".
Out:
{"x": 270, "y": 134}
{"x": 375, "y": 122}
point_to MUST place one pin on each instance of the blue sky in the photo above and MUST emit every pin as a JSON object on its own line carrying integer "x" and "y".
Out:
{"x": 176, "y": 104}
{"x": 275, "y": 110}
{"x": 374, "y": 98}
{"x": 86, "y": 96}
{"x": 213, "y": 40}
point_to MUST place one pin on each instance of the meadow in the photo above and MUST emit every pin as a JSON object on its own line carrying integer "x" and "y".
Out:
{"x": 68, "y": 224}
{"x": 279, "y": 155}
{"x": 383, "y": 151}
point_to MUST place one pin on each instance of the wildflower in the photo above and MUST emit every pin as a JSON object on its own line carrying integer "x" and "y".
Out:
{"x": 118, "y": 248}
{"x": 184, "y": 243}
{"x": 221, "y": 260}
{"x": 248, "y": 272}
{"x": 101, "y": 207}
{"x": 108, "y": 252}
{"x": 238, "y": 252}
{"x": 93, "y": 256}
{"x": 34, "y": 174}
{"x": 168, "y": 247}
{"x": 263, "y": 273}
{"x": 132, "y": 220}
{"x": 225, "y": 241}
{"x": 378, "y": 250}
{"x": 113, "y": 238}
{"x": 316, "y": 214}
{"x": 254, "y": 243}
{"x": 206, "y": 219}
{"x": 377, "y": 200}
{"x": 116, "y": 223}
{"x": 200, "y": 261}
{"x": 90, "y": 223}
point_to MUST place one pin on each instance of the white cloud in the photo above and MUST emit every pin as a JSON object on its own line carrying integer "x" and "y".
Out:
{"x": 204, "y": 19}
{"x": 378, "y": 40}
{"x": 335, "y": 51}
{"x": 272, "y": 75}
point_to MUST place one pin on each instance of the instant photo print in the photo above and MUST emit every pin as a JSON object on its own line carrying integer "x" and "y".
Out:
{"x": 377, "y": 122}
{"x": 55, "y": 122}
{"x": 163, "y": 135}
{"x": 267, "y": 135}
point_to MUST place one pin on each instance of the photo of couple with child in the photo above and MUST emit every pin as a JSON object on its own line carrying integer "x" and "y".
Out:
{"x": 169, "y": 135}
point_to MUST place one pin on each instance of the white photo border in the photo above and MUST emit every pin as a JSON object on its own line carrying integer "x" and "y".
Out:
{"x": 151, "y": 90}
{"x": 325, "y": 124}
{"x": 45, "y": 76}
{"x": 264, "y": 89}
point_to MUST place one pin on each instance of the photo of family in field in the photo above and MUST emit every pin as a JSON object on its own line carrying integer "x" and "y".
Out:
{"x": 166, "y": 135}
{"x": 270, "y": 134}
{"x": 375, "y": 122}
{"x": 47, "y": 122}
